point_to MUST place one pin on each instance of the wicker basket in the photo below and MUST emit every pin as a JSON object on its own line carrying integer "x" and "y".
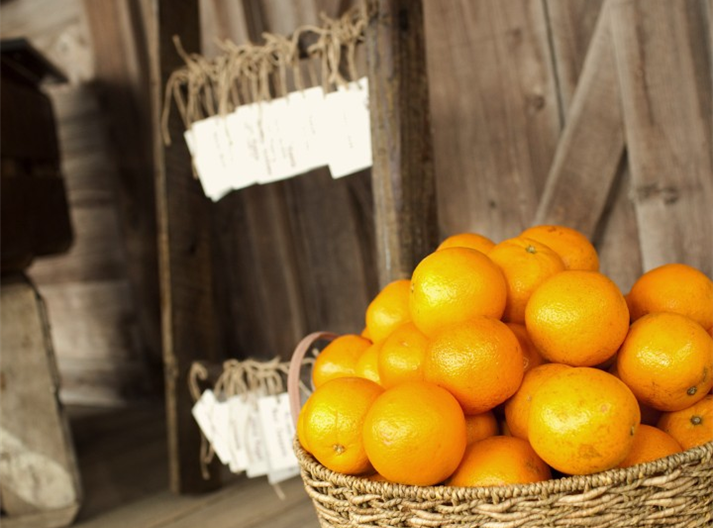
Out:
{"x": 676, "y": 491}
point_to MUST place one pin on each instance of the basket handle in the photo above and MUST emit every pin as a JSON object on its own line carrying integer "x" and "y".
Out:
{"x": 293, "y": 376}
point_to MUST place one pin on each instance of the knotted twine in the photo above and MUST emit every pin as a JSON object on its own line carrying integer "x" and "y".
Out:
{"x": 251, "y": 73}
{"x": 239, "y": 378}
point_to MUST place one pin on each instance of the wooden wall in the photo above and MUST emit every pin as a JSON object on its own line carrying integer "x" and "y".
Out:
{"x": 541, "y": 111}
{"x": 102, "y": 294}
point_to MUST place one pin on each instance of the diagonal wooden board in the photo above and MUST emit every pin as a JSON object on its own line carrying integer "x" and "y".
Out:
{"x": 663, "y": 62}
{"x": 590, "y": 148}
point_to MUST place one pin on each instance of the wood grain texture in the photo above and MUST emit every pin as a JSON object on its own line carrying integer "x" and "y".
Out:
{"x": 403, "y": 171}
{"x": 293, "y": 255}
{"x": 122, "y": 81}
{"x": 38, "y": 468}
{"x": 590, "y": 147}
{"x": 189, "y": 324}
{"x": 96, "y": 328}
{"x": 663, "y": 60}
{"x": 495, "y": 112}
{"x": 571, "y": 26}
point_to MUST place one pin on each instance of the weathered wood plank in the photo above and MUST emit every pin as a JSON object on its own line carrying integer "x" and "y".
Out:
{"x": 495, "y": 112}
{"x": 403, "y": 172}
{"x": 590, "y": 148}
{"x": 38, "y": 468}
{"x": 571, "y": 26}
{"x": 119, "y": 41}
{"x": 663, "y": 60}
{"x": 189, "y": 324}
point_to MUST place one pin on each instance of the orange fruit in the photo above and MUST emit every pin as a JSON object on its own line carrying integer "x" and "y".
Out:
{"x": 468, "y": 240}
{"x": 676, "y": 288}
{"x": 530, "y": 355}
{"x": 301, "y": 430}
{"x": 667, "y": 361}
{"x": 388, "y": 310}
{"x": 414, "y": 433}
{"x": 578, "y": 318}
{"x": 526, "y": 264}
{"x": 576, "y": 250}
{"x": 453, "y": 285}
{"x": 692, "y": 426}
{"x": 517, "y": 408}
{"x": 500, "y": 461}
{"x": 365, "y": 333}
{"x": 479, "y": 362}
{"x": 650, "y": 444}
{"x": 402, "y": 356}
{"x": 339, "y": 358}
{"x": 333, "y": 422}
{"x": 583, "y": 420}
{"x": 480, "y": 426}
{"x": 368, "y": 365}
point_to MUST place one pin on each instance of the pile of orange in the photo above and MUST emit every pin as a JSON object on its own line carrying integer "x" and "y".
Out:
{"x": 496, "y": 364}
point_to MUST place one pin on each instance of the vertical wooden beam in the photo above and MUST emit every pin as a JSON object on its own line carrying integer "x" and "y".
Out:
{"x": 662, "y": 55}
{"x": 402, "y": 174}
{"x": 185, "y": 254}
{"x": 122, "y": 73}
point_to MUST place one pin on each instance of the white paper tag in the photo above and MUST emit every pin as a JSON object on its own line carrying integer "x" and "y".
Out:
{"x": 347, "y": 134}
{"x": 306, "y": 121}
{"x": 254, "y": 442}
{"x": 244, "y": 129}
{"x": 238, "y": 413}
{"x": 212, "y": 418}
{"x": 273, "y": 116}
{"x": 276, "y": 422}
{"x": 212, "y": 156}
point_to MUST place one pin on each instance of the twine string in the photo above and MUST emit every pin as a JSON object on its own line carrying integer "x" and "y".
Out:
{"x": 244, "y": 73}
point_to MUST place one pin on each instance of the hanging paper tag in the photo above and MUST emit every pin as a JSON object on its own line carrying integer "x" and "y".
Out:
{"x": 276, "y": 421}
{"x": 306, "y": 119}
{"x": 248, "y": 150}
{"x": 238, "y": 412}
{"x": 254, "y": 441}
{"x": 211, "y": 157}
{"x": 347, "y": 134}
{"x": 212, "y": 418}
{"x": 273, "y": 116}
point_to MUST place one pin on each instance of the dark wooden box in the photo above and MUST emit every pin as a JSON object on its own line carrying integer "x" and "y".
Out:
{"x": 35, "y": 215}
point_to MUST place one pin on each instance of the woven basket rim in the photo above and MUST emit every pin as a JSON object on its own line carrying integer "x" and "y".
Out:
{"x": 668, "y": 467}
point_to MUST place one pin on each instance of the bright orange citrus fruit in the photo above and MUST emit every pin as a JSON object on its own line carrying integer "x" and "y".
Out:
{"x": 692, "y": 426}
{"x": 402, "y": 355}
{"x": 526, "y": 264}
{"x": 479, "y": 362}
{"x": 453, "y": 285}
{"x": 576, "y": 250}
{"x": 480, "y": 426}
{"x": 500, "y": 461}
{"x": 650, "y": 444}
{"x": 583, "y": 420}
{"x": 530, "y": 355}
{"x": 667, "y": 361}
{"x": 414, "y": 433}
{"x": 517, "y": 408}
{"x": 339, "y": 358}
{"x": 333, "y": 422}
{"x": 579, "y": 318}
{"x": 676, "y": 288}
{"x": 368, "y": 364}
{"x": 468, "y": 240}
{"x": 388, "y": 310}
